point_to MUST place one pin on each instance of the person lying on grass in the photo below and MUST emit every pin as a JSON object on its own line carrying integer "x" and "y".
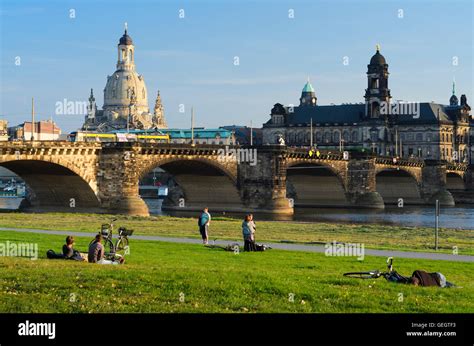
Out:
{"x": 422, "y": 278}
{"x": 70, "y": 253}
{"x": 97, "y": 252}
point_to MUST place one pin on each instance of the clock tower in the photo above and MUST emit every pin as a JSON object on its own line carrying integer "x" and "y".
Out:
{"x": 308, "y": 96}
{"x": 377, "y": 85}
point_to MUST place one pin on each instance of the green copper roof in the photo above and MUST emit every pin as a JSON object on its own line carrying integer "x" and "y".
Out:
{"x": 308, "y": 88}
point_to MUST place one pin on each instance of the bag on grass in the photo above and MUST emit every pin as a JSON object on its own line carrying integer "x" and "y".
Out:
{"x": 261, "y": 247}
{"x": 53, "y": 255}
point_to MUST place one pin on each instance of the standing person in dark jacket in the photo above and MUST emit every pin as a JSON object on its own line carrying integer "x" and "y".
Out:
{"x": 204, "y": 221}
{"x": 248, "y": 232}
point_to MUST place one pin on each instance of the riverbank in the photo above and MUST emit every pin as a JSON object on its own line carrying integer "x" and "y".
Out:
{"x": 168, "y": 278}
{"x": 372, "y": 236}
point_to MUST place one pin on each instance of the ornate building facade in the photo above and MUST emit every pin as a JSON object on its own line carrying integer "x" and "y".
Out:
{"x": 125, "y": 97}
{"x": 378, "y": 125}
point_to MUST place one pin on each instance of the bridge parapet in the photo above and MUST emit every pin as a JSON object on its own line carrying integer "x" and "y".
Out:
{"x": 391, "y": 161}
{"x": 48, "y": 147}
{"x": 455, "y": 166}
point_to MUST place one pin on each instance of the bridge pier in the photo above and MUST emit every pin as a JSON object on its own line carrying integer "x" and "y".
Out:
{"x": 433, "y": 186}
{"x": 361, "y": 184}
{"x": 118, "y": 177}
{"x": 263, "y": 186}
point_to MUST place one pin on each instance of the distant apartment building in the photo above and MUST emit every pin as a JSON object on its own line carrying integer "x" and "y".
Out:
{"x": 44, "y": 130}
{"x": 3, "y": 130}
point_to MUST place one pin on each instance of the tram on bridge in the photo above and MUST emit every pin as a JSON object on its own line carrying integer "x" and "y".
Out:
{"x": 120, "y": 136}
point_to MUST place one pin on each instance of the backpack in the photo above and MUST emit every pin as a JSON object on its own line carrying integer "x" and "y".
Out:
{"x": 53, "y": 255}
{"x": 261, "y": 247}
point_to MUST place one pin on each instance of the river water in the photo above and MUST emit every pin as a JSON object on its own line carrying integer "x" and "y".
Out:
{"x": 461, "y": 217}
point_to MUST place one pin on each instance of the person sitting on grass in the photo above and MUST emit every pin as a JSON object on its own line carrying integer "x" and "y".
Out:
{"x": 70, "y": 253}
{"x": 97, "y": 252}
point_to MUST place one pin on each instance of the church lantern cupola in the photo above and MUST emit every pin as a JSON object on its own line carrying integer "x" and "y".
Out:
{"x": 126, "y": 52}
{"x": 308, "y": 95}
{"x": 377, "y": 85}
{"x": 453, "y": 100}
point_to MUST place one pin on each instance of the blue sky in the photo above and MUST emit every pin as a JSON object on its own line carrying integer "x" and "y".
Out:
{"x": 191, "y": 60}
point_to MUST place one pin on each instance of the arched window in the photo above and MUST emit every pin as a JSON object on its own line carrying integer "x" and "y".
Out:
{"x": 300, "y": 138}
{"x": 374, "y": 135}
{"x": 375, "y": 110}
{"x": 131, "y": 55}
{"x": 419, "y": 137}
{"x": 355, "y": 136}
{"x": 327, "y": 137}
{"x": 346, "y": 136}
{"x": 318, "y": 136}
{"x": 307, "y": 138}
{"x": 336, "y": 136}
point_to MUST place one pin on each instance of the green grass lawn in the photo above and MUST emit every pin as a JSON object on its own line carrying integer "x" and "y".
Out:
{"x": 373, "y": 236}
{"x": 156, "y": 275}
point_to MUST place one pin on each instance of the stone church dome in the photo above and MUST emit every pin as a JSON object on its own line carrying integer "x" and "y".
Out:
{"x": 120, "y": 86}
{"x": 125, "y": 97}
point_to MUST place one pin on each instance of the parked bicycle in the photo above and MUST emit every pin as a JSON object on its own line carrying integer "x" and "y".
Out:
{"x": 120, "y": 247}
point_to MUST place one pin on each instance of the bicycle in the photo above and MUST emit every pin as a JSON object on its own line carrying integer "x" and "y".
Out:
{"x": 120, "y": 248}
{"x": 390, "y": 275}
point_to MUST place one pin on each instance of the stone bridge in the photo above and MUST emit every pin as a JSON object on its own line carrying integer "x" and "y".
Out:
{"x": 105, "y": 177}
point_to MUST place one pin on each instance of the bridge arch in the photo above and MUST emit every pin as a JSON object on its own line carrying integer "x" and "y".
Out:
{"x": 394, "y": 184}
{"x": 455, "y": 181}
{"x": 55, "y": 184}
{"x": 315, "y": 184}
{"x": 201, "y": 182}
